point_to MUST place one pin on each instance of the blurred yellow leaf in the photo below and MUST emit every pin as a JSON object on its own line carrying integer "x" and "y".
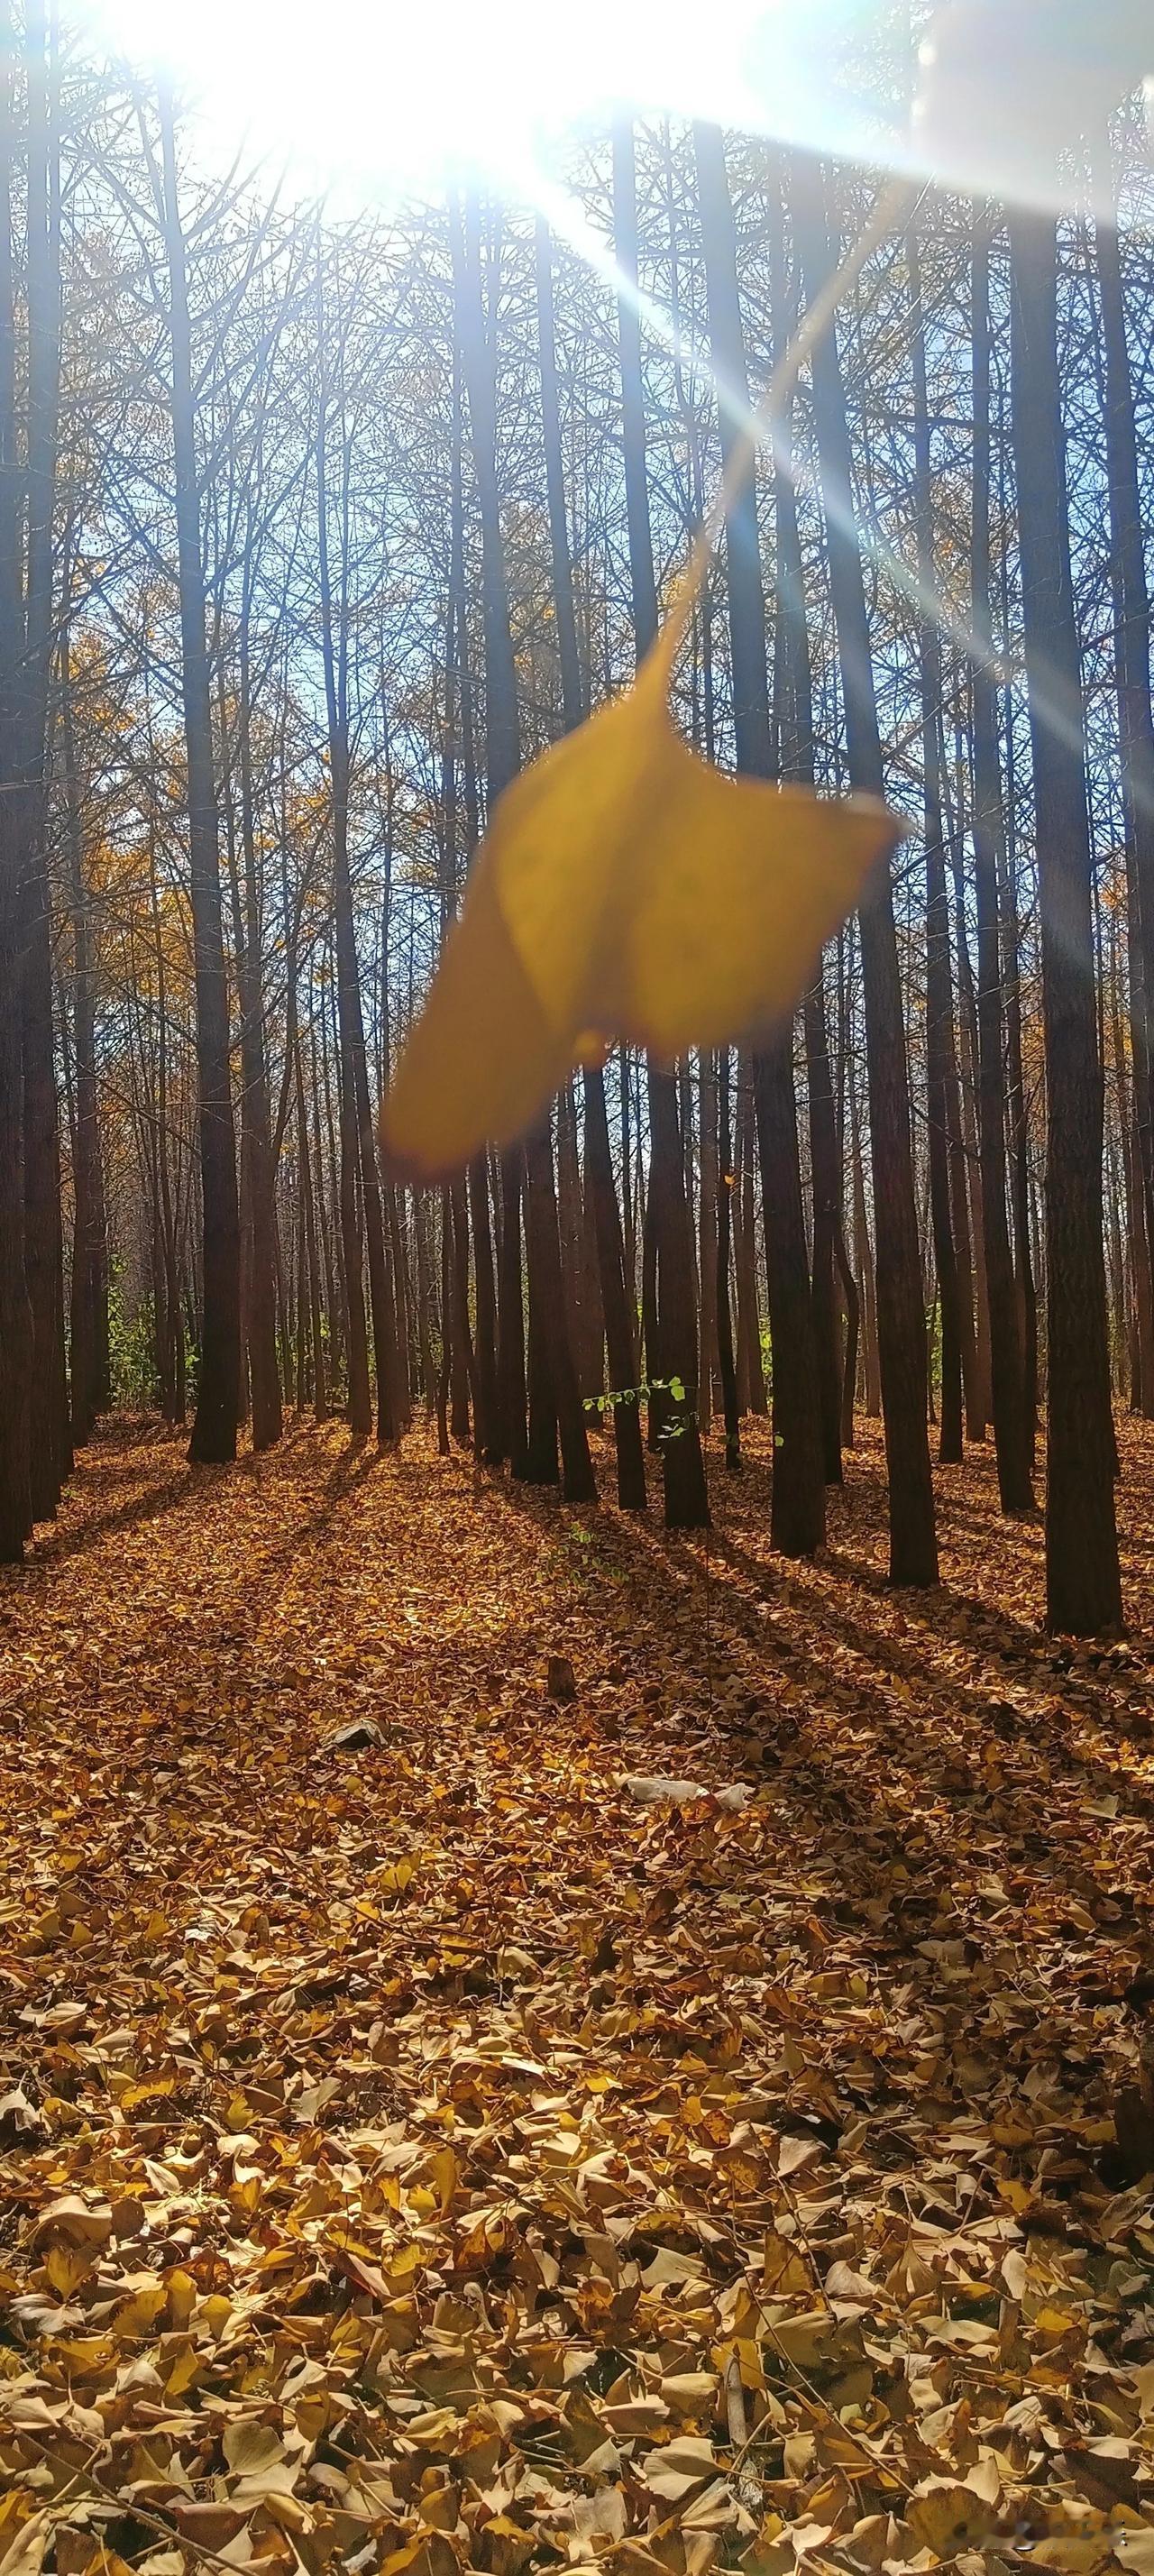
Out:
{"x": 624, "y": 888}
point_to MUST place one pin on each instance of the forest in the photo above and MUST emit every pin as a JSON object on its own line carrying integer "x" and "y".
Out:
{"x": 576, "y": 1610}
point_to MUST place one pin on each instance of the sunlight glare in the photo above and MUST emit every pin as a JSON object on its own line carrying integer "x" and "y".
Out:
{"x": 362, "y": 97}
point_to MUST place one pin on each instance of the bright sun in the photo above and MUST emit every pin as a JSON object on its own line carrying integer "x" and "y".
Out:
{"x": 372, "y": 94}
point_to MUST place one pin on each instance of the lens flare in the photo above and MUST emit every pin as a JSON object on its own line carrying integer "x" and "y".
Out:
{"x": 363, "y": 98}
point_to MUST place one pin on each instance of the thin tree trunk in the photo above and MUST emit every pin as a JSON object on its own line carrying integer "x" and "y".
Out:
{"x": 752, "y": 1395}
{"x": 579, "y": 1485}
{"x": 214, "y": 1429}
{"x": 729, "y": 1402}
{"x": 15, "y": 1311}
{"x": 360, "y": 1178}
{"x": 863, "y": 1254}
{"x": 965, "y": 1174}
{"x": 89, "y": 1332}
{"x": 707, "y": 1218}
{"x": 686, "y": 1500}
{"x": 798, "y": 1487}
{"x": 939, "y": 993}
{"x": 50, "y": 1441}
{"x": 620, "y": 1313}
{"x": 900, "y": 1316}
{"x": 1012, "y": 1439}
{"x": 1083, "y": 1592}
{"x": 256, "y": 1129}
{"x": 1135, "y": 712}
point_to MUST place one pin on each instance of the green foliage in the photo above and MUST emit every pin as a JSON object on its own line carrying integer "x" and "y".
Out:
{"x": 131, "y": 1348}
{"x": 674, "y": 1387}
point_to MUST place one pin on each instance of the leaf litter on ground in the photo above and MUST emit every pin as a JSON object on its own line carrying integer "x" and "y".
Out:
{"x": 420, "y": 2151}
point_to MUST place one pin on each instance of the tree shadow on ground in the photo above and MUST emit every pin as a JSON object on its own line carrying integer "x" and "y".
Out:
{"x": 848, "y": 1670}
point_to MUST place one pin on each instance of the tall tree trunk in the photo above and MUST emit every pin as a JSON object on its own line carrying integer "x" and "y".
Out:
{"x": 359, "y": 1170}
{"x": 683, "y": 1467}
{"x": 751, "y": 1392}
{"x": 172, "y": 1346}
{"x": 88, "y": 1325}
{"x": 50, "y": 1449}
{"x": 962, "y": 1123}
{"x": 793, "y": 685}
{"x": 863, "y": 1254}
{"x": 726, "y": 1362}
{"x": 939, "y": 991}
{"x": 1135, "y": 713}
{"x": 214, "y": 1428}
{"x": 616, "y": 1299}
{"x": 707, "y": 1227}
{"x": 1012, "y": 1441}
{"x": 15, "y": 1311}
{"x": 798, "y": 1489}
{"x": 579, "y": 1485}
{"x": 900, "y": 1316}
{"x": 264, "y": 1369}
{"x": 502, "y": 762}
{"x": 620, "y": 1313}
{"x": 1083, "y": 1591}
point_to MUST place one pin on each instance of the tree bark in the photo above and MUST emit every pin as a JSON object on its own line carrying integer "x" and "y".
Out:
{"x": 49, "y": 1434}
{"x": 1083, "y": 1591}
{"x": 89, "y": 1300}
{"x": 939, "y": 991}
{"x": 798, "y": 1487}
{"x": 256, "y": 1121}
{"x": 15, "y": 1311}
{"x": 1135, "y": 712}
{"x": 900, "y": 1317}
{"x": 683, "y": 1467}
{"x": 214, "y": 1428}
{"x": 1012, "y": 1441}
{"x": 793, "y": 684}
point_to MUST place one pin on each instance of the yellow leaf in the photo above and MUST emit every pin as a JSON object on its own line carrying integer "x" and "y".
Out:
{"x": 444, "y": 2175}
{"x": 156, "y": 2089}
{"x": 624, "y": 887}
{"x": 947, "y": 2516}
{"x": 140, "y": 2312}
{"x": 67, "y": 2266}
{"x": 22, "y": 2550}
{"x": 181, "y": 2289}
{"x": 396, "y": 1878}
{"x": 183, "y": 2374}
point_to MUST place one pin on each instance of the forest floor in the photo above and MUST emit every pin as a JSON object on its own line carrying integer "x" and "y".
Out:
{"x": 427, "y": 2154}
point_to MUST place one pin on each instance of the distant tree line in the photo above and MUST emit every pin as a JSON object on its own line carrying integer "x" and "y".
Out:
{"x": 310, "y": 536}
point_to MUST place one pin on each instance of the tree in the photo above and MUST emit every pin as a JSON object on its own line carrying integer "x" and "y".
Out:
{"x": 1083, "y": 1590}
{"x": 940, "y": 1068}
{"x": 620, "y": 1328}
{"x": 900, "y": 1319}
{"x": 218, "y": 1385}
{"x": 798, "y": 1504}
{"x": 15, "y": 1311}
{"x": 559, "y": 1395}
{"x": 671, "y": 1344}
{"x": 1012, "y": 1437}
{"x": 1132, "y": 648}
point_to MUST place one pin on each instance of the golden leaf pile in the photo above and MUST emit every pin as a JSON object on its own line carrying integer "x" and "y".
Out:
{"x": 415, "y": 2154}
